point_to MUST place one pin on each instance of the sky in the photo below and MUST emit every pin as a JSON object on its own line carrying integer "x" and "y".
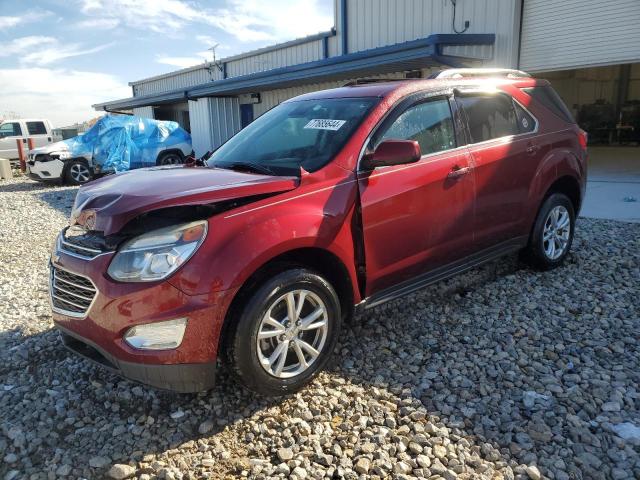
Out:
{"x": 58, "y": 57}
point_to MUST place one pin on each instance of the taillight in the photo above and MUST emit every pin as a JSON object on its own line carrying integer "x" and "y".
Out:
{"x": 582, "y": 138}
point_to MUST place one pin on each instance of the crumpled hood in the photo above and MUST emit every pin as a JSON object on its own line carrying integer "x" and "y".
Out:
{"x": 63, "y": 146}
{"x": 109, "y": 203}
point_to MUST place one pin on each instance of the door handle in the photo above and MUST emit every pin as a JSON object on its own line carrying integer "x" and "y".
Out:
{"x": 532, "y": 149}
{"x": 457, "y": 172}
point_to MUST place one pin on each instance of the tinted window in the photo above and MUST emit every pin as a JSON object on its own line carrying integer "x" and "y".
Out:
{"x": 489, "y": 116}
{"x": 305, "y": 133}
{"x": 36, "y": 128}
{"x": 526, "y": 123}
{"x": 550, "y": 99}
{"x": 429, "y": 123}
{"x": 11, "y": 129}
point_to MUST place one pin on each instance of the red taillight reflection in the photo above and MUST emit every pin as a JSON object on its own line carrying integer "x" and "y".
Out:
{"x": 582, "y": 138}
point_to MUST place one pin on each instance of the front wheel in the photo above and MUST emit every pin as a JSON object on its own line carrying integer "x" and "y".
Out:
{"x": 78, "y": 172}
{"x": 552, "y": 233}
{"x": 170, "y": 158}
{"x": 286, "y": 332}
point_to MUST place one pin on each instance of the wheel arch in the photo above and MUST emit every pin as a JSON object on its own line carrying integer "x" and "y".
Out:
{"x": 569, "y": 186}
{"x": 320, "y": 260}
{"x": 162, "y": 153}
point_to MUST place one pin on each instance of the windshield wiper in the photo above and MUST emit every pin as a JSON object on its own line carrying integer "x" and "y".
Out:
{"x": 255, "y": 167}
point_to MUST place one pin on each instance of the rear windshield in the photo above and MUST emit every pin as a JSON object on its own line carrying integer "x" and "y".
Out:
{"x": 305, "y": 133}
{"x": 550, "y": 99}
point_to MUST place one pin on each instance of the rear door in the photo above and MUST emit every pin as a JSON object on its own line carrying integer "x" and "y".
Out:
{"x": 9, "y": 133}
{"x": 37, "y": 130}
{"x": 505, "y": 156}
{"x": 418, "y": 216}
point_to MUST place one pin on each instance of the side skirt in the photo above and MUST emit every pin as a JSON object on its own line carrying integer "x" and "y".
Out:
{"x": 442, "y": 273}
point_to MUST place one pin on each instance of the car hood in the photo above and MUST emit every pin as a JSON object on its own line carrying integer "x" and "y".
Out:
{"x": 56, "y": 147}
{"x": 109, "y": 203}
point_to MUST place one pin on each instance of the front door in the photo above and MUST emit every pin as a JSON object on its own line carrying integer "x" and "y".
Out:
{"x": 418, "y": 216}
{"x": 9, "y": 133}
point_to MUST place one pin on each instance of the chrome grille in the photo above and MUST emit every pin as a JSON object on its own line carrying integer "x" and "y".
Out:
{"x": 81, "y": 243}
{"x": 71, "y": 294}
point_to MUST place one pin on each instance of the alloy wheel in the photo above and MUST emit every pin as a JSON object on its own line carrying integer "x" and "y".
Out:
{"x": 292, "y": 333}
{"x": 80, "y": 173}
{"x": 171, "y": 159}
{"x": 556, "y": 232}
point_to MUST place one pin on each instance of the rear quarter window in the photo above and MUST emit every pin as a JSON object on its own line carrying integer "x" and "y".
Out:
{"x": 548, "y": 97}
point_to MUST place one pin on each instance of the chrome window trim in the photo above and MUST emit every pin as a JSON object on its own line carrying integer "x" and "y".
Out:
{"x": 62, "y": 311}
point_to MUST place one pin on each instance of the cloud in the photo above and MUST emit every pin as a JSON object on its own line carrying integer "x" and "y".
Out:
{"x": 29, "y": 16}
{"x": 61, "y": 95}
{"x": 246, "y": 20}
{"x": 180, "y": 62}
{"x": 99, "y": 23}
{"x": 45, "y": 50}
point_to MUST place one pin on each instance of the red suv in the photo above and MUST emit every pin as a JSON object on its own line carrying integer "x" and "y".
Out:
{"x": 331, "y": 202}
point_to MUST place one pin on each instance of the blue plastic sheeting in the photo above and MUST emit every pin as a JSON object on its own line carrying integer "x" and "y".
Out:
{"x": 122, "y": 142}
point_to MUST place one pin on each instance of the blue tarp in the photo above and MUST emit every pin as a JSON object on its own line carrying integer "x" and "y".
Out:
{"x": 122, "y": 142}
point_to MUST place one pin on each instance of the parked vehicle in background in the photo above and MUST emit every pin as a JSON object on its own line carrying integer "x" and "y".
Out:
{"x": 40, "y": 130}
{"x": 332, "y": 201}
{"x": 113, "y": 144}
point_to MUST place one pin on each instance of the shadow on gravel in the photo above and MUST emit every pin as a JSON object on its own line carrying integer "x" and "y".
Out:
{"x": 466, "y": 350}
{"x": 26, "y": 186}
{"x": 60, "y": 200}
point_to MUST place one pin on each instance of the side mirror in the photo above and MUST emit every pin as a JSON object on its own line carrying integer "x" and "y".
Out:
{"x": 393, "y": 152}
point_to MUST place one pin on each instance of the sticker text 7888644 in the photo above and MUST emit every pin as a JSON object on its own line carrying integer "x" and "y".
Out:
{"x": 325, "y": 124}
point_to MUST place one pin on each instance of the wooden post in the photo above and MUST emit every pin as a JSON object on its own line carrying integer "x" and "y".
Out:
{"x": 21, "y": 155}
{"x": 30, "y": 143}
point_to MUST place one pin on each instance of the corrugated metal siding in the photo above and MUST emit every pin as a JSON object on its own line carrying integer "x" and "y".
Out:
{"x": 564, "y": 34}
{"x": 213, "y": 121}
{"x": 145, "y": 112}
{"x": 375, "y": 23}
{"x": 294, "y": 55}
{"x": 178, "y": 80}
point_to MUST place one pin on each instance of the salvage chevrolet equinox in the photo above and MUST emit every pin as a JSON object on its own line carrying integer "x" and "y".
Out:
{"x": 332, "y": 202}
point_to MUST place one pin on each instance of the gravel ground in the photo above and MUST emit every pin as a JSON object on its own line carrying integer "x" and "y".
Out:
{"x": 497, "y": 374}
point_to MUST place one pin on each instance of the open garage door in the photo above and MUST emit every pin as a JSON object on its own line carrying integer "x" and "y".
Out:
{"x": 569, "y": 34}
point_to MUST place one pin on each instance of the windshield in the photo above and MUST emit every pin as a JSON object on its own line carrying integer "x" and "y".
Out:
{"x": 305, "y": 133}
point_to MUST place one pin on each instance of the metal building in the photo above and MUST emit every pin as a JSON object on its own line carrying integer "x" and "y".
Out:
{"x": 592, "y": 60}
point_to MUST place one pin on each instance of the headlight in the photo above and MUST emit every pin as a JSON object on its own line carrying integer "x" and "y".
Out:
{"x": 157, "y": 336}
{"x": 62, "y": 155}
{"x": 157, "y": 254}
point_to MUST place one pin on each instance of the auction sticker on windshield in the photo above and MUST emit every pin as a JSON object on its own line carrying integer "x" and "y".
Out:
{"x": 325, "y": 124}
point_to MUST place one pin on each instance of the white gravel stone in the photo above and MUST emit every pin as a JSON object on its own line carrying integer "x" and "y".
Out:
{"x": 481, "y": 376}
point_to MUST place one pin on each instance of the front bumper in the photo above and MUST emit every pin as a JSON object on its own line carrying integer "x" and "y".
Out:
{"x": 50, "y": 171}
{"x": 184, "y": 378}
{"x": 98, "y": 333}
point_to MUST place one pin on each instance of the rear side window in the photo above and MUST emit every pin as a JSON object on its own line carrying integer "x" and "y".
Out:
{"x": 548, "y": 97}
{"x": 428, "y": 123}
{"x": 489, "y": 116}
{"x": 36, "y": 128}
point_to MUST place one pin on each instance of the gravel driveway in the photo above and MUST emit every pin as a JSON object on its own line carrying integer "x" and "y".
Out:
{"x": 501, "y": 373}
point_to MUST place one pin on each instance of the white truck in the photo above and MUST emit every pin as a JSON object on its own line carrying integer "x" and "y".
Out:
{"x": 40, "y": 130}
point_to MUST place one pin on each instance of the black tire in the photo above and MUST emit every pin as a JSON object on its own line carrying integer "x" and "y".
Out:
{"x": 78, "y": 172}
{"x": 537, "y": 252}
{"x": 243, "y": 352}
{"x": 170, "y": 158}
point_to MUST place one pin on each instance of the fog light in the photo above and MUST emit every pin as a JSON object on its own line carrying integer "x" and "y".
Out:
{"x": 157, "y": 336}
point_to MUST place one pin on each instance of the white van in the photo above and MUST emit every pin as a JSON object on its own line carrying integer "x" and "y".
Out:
{"x": 21, "y": 129}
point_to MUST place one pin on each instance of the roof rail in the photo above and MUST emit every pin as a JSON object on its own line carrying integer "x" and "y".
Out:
{"x": 481, "y": 72}
{"x": 366, "y": 81}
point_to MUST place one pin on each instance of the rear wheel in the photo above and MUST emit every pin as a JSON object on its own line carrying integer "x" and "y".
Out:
{"x": 552, "y": 234}
{"x": 170, "y": 158}
{"x": 286, "y": 332}
{"x": 78, "y": 172}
